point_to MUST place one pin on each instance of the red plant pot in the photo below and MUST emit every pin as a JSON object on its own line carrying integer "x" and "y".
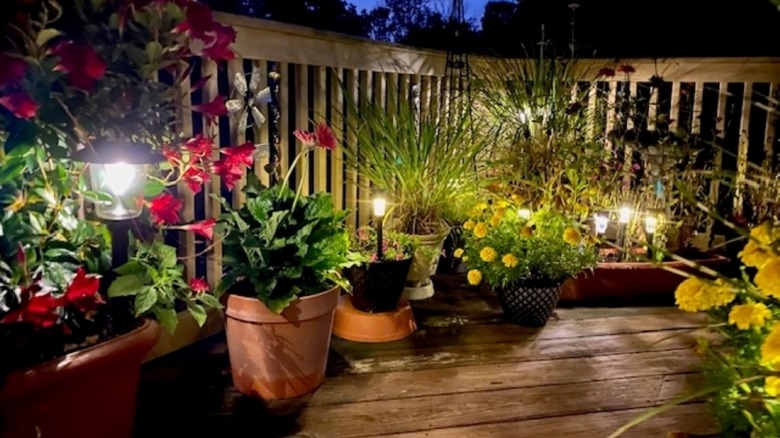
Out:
{"x": 631, "y": 280}
{"x": 89, "y": 393}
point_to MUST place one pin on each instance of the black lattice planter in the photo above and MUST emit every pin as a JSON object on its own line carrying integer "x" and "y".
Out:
{"x": 529, "y": 304}
{"x": 377, "y": 287}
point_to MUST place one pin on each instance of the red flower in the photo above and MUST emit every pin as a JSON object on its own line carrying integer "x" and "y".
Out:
{"x": 243, "y": 153}
{"x": 204, "y": 228}
{"x": 199, "y": 20}
{"x": 199, "y": 286}
{"x": 212, "y": 110}
{"x": 164, "y": 209}
{"x": 325, "y": 137}
{"x": 20, "y": 104}
{"x": 216, "y": 37}
{"x": 219, "y": 49}
{"x": 306, "y": 137}
{"x": 81, "y": 63}
{"x": 625, "y": 68}
{"x": 172, "y": 155}
{"x": 199, "y": 146}
{"x": 83, "y": 291}
{"x": 13, "y": 69}
{"x": 195, "y": 177}
{"x": 607, "y": 72}
{"x": 41, "y": 310}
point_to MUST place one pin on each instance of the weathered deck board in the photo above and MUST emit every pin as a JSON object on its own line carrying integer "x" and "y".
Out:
{"x": 465, "y": 373}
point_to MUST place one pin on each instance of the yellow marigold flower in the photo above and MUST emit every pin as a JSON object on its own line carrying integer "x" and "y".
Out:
{"x": 768, "y": 278}
{"x": 495, "y": 220}
{"x": 480, "y": 230}
{"x": 474, "y": 277}
{"x": 468, "y": 225}
{"x": 465, "y": 258}
{"x": 755, "y": 253}
{"x": 745, "y": 316}
{"x": 696, "y": 295}
{"x": 517, "y": 199}
{"x": 772, "y": 386}
{"x": 481, "y": 206}
{"x": 572, "y": 236}
{"x": 510, "y": 260}
{"x": 526, "y": 231}
{"x": 458, "y": 253}
{"x": 581, "y": 209}
{"x": 502, "y": 204}
{"x": 488, "y": 254}
{"x": 770, "y": 349}
{"x": 500, "y": 212}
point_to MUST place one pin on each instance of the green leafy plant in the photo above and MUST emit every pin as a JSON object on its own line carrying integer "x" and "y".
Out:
{"x": 281, "y": 245}
{"x": 396, "y": 246}
{"x": 423, "y": 160}
{"x": 502, "y": 247}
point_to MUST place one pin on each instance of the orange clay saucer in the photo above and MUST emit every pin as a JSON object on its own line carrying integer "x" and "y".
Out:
{"x": 354, "y": 325}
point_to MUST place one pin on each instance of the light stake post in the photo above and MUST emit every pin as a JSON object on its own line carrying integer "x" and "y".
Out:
{"x": 380, "y": 207}
{"x": 651, "y": 225}
{"x": 624, "y": 217}
{"x": 600, "y": 222}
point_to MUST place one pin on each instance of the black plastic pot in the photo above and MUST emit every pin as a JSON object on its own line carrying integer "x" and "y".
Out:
{"x": 377, "y": 287}
{"x": 529, "y": 304}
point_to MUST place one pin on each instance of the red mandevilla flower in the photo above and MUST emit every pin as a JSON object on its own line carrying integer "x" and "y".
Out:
{"x": 20, "y": 105}
{"x": 243, "y": 153}
{"x": 232, "y": 166}
{"x": 172, "y": 155}
{"x": 199, "y": 286}
{"x": 81, "y": 63}
{"x": 204, "y": 228}
{"x": 219, "y": 49}
{"x": 216, "y": 37}
{"x": 164, "y": 209}
{"x": 212, "y": 110}
{"x": 13, "y": 70}
{"x": 83, "y": 291}
{"x": 607, "y": 72}
{"x": 195, "y": 177}
{"x": 199, "y": 146}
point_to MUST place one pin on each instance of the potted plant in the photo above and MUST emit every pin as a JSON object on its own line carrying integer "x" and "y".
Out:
{"x": 425, "y": 162}
{"x": 525, "y": 260}
{"x": 78, "y": 76}
{"x": 285, "y": 252}
{"x": 377, "y": 283}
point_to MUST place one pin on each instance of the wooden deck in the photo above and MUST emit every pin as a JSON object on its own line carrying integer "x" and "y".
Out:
{"x": 465, "y": 373}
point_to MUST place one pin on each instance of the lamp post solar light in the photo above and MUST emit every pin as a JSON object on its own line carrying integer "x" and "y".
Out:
{"x": 380, "y": 207}
{"x": 119, "y": 170}
{"x": 624, "y": 217}
{"x": 651, "y": 225}
{"x": 600, "y": 221}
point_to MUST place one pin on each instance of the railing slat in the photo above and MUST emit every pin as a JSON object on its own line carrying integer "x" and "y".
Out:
{"x": 769, "y": 130}
{"x": 284, "y": 118}
{"x": 337, "y": 121}
{"x": 698, "y": 100}
{"x": 236, "y": 135}
{"x": 674, "y": 109}
{"x": 320, "y": 155}
{"x": 744, "y": 143}
{"x": 611, "y": 106}
{"x": 264, "y": 133}
{"x": 364, "y": 195}
{"x": 213, "y": 208}
{"x": 187, "y": 239}
{"x": 301, "y": 122}
{"x": 351, "y": 83}
{"x": 652, "y": 109}
{"x": 592, "y": 109}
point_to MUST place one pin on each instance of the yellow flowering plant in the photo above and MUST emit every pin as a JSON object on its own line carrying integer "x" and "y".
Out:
{"x": 742, "y": 369}
{"x": 501, "y": 247}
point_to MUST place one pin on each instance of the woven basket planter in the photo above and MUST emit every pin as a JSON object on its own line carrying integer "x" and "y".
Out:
{"x": 529, "y": 304}
{"x": 377, "y": 287}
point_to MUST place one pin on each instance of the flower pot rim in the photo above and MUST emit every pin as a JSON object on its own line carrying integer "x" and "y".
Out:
{"x": 383, "y": 262}
{"x": 714, "y": 258}
{"x": 20, "y": 383}
{"x": 253, "y": 310}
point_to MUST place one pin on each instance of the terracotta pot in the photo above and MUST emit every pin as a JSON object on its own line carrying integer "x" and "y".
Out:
{"x": 279, "y": 357}
{"x": 89, "y": 393}
{"x": 418, "y": 282}
{"x": 631, "y": 280}
{"x": 377, "y": 287}
{"x": 529, "y": 303}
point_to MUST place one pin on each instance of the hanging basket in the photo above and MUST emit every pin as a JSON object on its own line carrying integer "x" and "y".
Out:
{"x": 529, "y": 304}
{"x": 377, "y": 287}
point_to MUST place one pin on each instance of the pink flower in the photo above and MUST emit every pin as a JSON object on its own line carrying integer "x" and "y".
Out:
{"x": 199, "y": 286}
{"x": 164, "y": 209}
{"x": 305, "y": 137}
{"x": 625, "y": 68}
{"x": 13, "y": 69}
{"x": 321, "y": 137}
{"x": 82, "y": 65}
{"x": 20, "y": 105}
{"x": 607, "y": 72}
{"x": 204, "y": 228}
{"x": 212, "y": 110}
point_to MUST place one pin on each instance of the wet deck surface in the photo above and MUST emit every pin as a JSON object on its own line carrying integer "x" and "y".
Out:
{"x": 464, "y": 373}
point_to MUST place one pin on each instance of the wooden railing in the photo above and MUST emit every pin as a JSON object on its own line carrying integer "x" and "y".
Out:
{"x": 703, "y": 96}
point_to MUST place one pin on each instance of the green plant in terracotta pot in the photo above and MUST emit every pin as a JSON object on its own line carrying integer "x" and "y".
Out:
{"x": 285, "y": 252}
{"x": 377, "y": 283}
{"x": 77, "y": 78}
{"x": 524, "y": 258}
{"x": 423, "y": 160}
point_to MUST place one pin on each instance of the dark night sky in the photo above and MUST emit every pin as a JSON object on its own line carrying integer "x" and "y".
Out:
{"x": 474, "y": 8}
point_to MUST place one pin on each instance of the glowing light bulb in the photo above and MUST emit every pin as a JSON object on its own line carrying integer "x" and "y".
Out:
{"x": 380, "y": 206}
{"x": 524, "y": 213}
{"x": 118, "y": 177}
{"x": 651, "y": 224}
{"x": 624, "y": 215}
{"x": 601, "y": 222}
